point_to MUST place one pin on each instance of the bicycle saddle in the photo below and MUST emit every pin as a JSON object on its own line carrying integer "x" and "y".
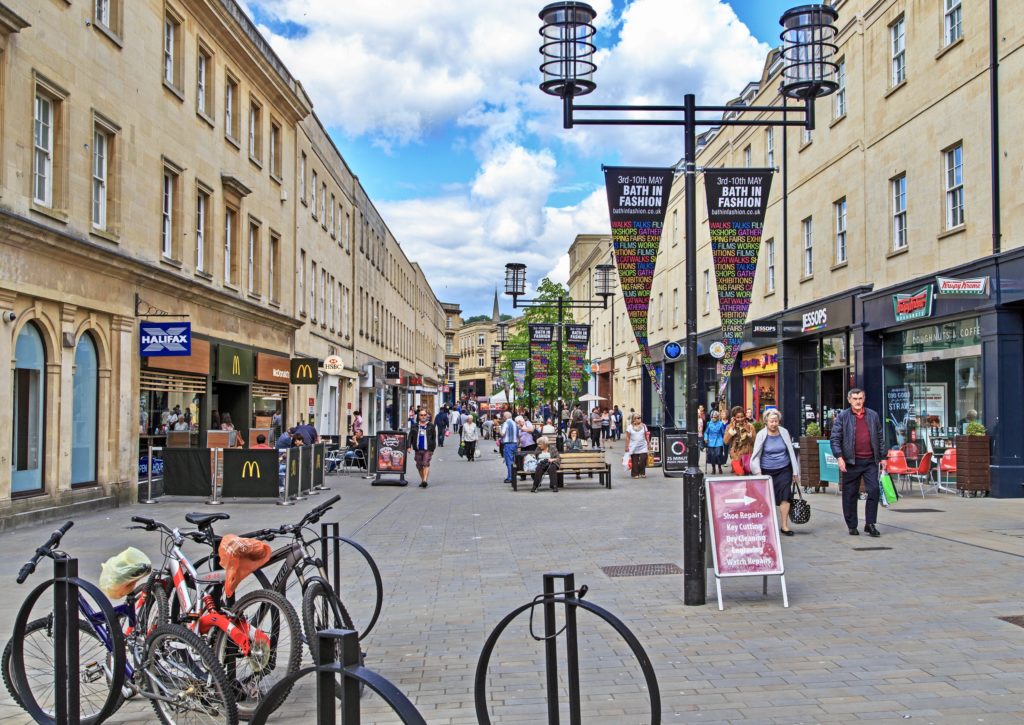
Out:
{"x": 203, "y": 520}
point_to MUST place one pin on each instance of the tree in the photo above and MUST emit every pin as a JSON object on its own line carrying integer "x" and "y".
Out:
{"x": 476, "y": 318}
{"x": 517, "y": 348}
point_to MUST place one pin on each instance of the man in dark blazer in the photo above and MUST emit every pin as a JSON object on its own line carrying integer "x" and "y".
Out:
{"x": 857, "y": 445}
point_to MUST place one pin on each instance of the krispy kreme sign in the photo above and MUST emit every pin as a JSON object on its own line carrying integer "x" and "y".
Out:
{"x": 971, "y": 287}
{"x": 913, "y": 305}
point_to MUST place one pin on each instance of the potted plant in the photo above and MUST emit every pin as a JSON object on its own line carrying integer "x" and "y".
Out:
{"x": 973, "y": 460}
{"x": 810, "y": 472}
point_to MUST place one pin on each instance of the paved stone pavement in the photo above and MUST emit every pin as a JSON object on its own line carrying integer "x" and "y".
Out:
{"x": 911, "y": 632}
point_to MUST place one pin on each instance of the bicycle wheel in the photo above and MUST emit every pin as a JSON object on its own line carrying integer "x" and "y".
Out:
{"x": 275, "y": 648}
{"x": 94, "y": 663}
{"x": 321, "y": 609}
{"x": 189, "y": 683}
{"x": 155, "y": 608}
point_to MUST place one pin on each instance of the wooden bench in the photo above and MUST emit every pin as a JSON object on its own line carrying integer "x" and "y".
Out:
{"x": 588, "y": 462}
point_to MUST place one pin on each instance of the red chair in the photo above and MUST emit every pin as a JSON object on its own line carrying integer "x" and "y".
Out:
{"x": 947, "y": 465}
{"x": 896, "y": 465}
{"x": 923, "y": 472}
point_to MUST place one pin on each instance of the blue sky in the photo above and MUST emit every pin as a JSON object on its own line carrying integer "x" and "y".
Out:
{"x": 435, "y": 106}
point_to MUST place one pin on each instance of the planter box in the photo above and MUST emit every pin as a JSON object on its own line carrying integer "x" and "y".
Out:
{"x": 810, "y": 471}
{"x": 973, "y": 463}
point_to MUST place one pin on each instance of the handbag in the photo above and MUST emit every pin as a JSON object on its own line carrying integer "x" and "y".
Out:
{"x": 799, "y": 508}
{"x": 650, "y": 459}
{"x": 462, "y": 449}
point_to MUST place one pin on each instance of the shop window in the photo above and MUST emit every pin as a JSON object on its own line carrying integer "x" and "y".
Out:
{"x": 85, "y": 412}
{"x": 29, "y": 401}
{"x": 933, "y": 385}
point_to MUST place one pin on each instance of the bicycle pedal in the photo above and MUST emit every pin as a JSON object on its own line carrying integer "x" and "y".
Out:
{"x": 92, "y": 672}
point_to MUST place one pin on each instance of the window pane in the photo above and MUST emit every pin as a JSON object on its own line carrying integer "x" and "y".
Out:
{"x": 29, "y": 395}
{"x": 84, "y": 414}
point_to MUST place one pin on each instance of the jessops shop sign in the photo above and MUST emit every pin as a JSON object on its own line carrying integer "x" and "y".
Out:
{"x": 165, "y": 339}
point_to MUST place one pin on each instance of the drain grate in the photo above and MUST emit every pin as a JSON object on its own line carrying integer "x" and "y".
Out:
{"x": 641, "y": 570}
{"x": 917, "y": 511}
{"x": 872, "y": 548}
{"x": 1017, "y": 619}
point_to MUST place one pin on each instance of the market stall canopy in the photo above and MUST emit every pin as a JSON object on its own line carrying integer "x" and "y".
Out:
{"x": 500, "y": 398}
{"x": 589, "y": 397}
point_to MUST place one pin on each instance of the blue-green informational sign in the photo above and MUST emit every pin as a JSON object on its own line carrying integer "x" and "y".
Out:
{"x": 827, "y": 463}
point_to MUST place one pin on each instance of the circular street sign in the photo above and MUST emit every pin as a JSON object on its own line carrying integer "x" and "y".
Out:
{"x": 673, "y": 350}
{"x": 678, "y": 448}
{"x": 332, "y": 364}
{"x": 717, "y": 350}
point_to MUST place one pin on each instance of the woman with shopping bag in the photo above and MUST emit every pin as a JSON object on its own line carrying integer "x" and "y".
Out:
{"x": 775, "y": 457}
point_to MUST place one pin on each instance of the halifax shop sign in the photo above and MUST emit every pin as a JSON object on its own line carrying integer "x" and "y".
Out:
{"x": 165, "y": 339}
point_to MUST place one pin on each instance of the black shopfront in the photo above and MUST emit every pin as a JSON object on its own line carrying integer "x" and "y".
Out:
{"x": 938, "y": 356}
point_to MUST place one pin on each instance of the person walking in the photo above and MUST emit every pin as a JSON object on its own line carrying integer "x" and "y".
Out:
{"x": 441, "y": 423}
{"x": 509, "y": 440}
{"x": 617, "y": 414}
{"x": 357, "y": 422}
{"x": 470, "y": 435}
{"x": 637, "y": 437}
{"x": 739, "y": 436}
{"x": 857, "y": 446}
{"x": 775, "y": 457}
{"x": 714, "y": 434}
{"x": 606, "y": 423}
{"x": 547, "y": 462}
{"x": 423, "y": 440}
{"x": 595, "y": 428}
{"x": 613, "y": 429}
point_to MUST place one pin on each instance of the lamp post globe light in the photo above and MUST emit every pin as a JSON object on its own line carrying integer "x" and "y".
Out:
{"x": 808, "y": 72}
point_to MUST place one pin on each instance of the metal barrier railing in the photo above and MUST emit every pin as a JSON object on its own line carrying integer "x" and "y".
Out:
{"x": 572, "y": 599}
{"x": 330, "y": 553}
{"x": 327, "y": 669}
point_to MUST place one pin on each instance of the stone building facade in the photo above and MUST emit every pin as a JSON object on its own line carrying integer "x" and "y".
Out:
{"x": 909, "y": 178}
{"x": 151, "y": 170}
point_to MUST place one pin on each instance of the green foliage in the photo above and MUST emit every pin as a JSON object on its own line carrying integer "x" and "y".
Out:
{"x": 975, "y": 428}
{"x": 813, "y": 430}
{"x": 476, "y": 318}
{"x": 758, "y": 425}
{"x": 517, "y": 348}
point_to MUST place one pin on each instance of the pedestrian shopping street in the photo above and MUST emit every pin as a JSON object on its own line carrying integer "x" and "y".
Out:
{"x": 902, "y": 627}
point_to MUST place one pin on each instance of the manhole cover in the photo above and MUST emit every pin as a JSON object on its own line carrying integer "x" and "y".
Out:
{"x": 872, "y": 548}
{"x": 1017, "y": 619}
{"x": 917, "y": 511}
{"x": 641, "y": 570}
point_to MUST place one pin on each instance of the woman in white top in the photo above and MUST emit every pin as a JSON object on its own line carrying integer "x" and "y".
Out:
{"x": 636, "y": 445}
{"x": 470, "y": 435}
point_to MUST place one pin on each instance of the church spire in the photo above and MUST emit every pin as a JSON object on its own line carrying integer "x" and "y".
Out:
{"x": 496, "y": 314}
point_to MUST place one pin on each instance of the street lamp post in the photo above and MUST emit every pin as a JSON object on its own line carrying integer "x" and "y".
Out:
{"x": 808, "y": 72}
{"x": 515, "y": 285}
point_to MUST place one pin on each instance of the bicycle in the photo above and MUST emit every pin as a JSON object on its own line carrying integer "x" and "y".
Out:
{"x": 321, "y": 606}
{"x": 256, "y": 637}
{"x": 124, "y": 651}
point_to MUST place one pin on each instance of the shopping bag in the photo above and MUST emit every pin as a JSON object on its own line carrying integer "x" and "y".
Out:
{"x": 462, "y": 449}
{"x": 119, "y": 574}
{"x": 887, "y": 489}
{"x": 627, "y": 462}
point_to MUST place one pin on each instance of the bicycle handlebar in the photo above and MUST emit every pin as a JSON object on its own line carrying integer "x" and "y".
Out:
{"x": 43, "y": 550}
{"x": 314, "y": 515}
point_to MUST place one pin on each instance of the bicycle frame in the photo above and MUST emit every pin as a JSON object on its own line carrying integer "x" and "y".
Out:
{"x": 202, "y": 610}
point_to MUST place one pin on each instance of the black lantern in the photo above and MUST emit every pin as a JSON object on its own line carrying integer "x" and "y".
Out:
{"x": 502, "y": 332}
{"x": 515, "y": 279}
{"x": 603, "y": 282}
{"x": 808, "y": 52}
{"x": 495, "y": 352}
{"x": 567, "y": 49}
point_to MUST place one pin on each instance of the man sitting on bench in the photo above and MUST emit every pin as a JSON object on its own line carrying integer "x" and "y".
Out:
{"x": 547, "y": 460}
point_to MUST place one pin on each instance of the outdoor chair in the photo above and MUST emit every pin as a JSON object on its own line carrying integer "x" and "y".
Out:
{"x": 922, "y": 474}
{"x": 896, "y": 466}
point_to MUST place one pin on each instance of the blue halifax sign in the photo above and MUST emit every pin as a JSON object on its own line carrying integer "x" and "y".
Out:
{"x": 165, "y": 339}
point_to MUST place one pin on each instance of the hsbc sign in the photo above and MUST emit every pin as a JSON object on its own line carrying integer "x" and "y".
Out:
{"x": 165, "y": 339}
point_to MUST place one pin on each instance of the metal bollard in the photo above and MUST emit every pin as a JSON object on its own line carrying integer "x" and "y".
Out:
{"x": 218, "y": 474}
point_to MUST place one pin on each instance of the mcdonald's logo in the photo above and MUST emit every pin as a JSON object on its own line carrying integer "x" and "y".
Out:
{"x": 250, "y": 468}
{"x": 236, "y": 365}
{"x": 304, "y": 370}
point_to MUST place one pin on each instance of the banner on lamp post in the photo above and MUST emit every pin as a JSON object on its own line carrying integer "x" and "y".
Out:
{"x": 519, "y": 376}
{"x": 737, "y": 199}
{"x": 577, "y": 339}
{"x": 541, "y": 337}
{"x": 637, "y": 202}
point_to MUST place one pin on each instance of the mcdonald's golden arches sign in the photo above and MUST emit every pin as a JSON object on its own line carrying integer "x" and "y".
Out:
{"x": 234, "y": 364}
{"x": 304, "y": 370}
{"x": 250, "y": 469}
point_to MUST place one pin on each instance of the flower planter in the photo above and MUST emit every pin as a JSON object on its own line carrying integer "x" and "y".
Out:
{"x": 973, "y": 464}
{"x": 810, "y": 470}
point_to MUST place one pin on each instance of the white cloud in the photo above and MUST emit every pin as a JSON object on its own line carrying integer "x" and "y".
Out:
{"x": 399, "y": 72}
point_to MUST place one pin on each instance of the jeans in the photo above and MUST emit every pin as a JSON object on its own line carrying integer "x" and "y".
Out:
{"x": 508, "y": 452}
